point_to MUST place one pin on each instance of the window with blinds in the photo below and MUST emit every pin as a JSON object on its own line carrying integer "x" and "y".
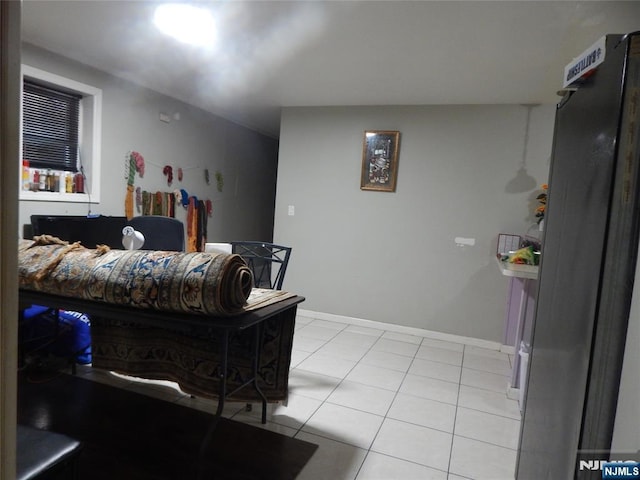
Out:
{"x": 60, "y": 135}
{"x": 50, "y": 120}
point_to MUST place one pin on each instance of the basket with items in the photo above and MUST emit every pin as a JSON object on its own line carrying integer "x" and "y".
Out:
{"x": 517, "y": 256}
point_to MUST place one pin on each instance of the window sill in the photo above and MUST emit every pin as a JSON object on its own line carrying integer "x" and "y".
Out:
{"x": 58, "y": 197}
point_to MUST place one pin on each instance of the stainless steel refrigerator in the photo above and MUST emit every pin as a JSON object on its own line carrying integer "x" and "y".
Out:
{"x": 590, "y": 247}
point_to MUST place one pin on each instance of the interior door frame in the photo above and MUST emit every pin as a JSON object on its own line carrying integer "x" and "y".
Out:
{"x": 10, "y": 24}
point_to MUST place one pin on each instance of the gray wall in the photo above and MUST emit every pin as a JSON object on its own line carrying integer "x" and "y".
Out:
{"x": 198, "y": 140}
{"x": 391, "y": 257}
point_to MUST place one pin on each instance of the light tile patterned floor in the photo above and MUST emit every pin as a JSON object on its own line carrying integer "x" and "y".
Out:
{"x": 384, "y": 405}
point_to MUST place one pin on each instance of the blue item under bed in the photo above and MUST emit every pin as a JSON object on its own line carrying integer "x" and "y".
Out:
{"x": 62, "y": 333}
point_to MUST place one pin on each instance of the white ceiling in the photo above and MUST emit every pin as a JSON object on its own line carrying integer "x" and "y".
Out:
{"x": 275, "y": 54}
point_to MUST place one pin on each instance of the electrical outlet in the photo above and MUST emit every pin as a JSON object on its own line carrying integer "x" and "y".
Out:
{"x": 461, "y": 241}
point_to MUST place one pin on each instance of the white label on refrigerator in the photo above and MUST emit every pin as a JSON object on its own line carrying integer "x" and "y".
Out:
{"x": 587, "y": 61}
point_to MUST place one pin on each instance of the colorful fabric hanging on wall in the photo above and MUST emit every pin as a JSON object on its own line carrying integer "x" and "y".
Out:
{"x": 159, "y": 203}
{"x": 196, "y": 225}
{"x": 134, "y": 162}
{"x": 128, "y": 203}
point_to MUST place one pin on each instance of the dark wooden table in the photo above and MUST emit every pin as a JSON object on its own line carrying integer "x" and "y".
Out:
{"x": 203, "y": 326}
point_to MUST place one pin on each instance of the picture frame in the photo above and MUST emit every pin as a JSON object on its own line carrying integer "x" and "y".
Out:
{"x": 380, "y": 160}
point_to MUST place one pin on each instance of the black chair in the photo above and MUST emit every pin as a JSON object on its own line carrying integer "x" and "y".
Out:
{"x": 160, "y": 233}
{"x": 45, "y": 455}
{"x": 267, "y": 261}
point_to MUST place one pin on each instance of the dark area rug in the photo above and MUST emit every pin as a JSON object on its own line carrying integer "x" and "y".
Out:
{"x": 127, "y": 435}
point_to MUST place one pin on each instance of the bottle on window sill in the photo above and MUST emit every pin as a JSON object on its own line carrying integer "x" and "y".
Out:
{"x": 68, "y": 182}
{"x": 78, "y": 182}
{"x": 35, "y": 185}
{"x": 26, "y": 175}
{"x": 48, "y": 183}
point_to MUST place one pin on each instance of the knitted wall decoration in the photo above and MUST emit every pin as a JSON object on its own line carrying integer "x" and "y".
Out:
{"x": 134, "y": 163}
{"x": 159, "y": 203}
{"x": 219, "y": 181}
{"x": 138, "y": 198}
{"x": 168, "y": 172}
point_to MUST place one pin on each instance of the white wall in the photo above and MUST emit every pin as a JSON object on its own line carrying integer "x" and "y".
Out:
{"x": 391, "y": 257}
{"x": 199, "y": 140}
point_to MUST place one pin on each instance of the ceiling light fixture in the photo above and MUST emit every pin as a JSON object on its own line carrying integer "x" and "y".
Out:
{"x": 186, "y": 23}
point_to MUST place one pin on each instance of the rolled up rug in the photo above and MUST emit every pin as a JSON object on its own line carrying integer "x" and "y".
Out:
{"x": 197, "y": 282}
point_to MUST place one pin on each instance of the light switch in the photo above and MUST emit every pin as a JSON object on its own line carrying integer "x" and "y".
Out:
{"x": 292, "y": 210}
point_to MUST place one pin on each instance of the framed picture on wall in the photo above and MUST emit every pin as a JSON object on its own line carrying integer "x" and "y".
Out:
{"x": 380, "y": 160}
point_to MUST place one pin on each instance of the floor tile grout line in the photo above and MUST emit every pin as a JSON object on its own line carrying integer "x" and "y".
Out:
{"x": 402, "y": 460}
{"x": 332, "y": 391}
{"x": 335, "y": 440}
{"x": 325, "y": 401}
{"x": 397, "y": 392}
{"x": 384, "y": 418}
{"x": 489, "y": 413}
{"x": 486, "y": 443}
{"x": 455, "y": 416}
{"x": 484, "y": 389}
{"x": 405, "y": 373}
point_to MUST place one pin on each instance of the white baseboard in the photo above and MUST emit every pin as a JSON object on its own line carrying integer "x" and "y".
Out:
{"x": 508, "y": 349}
{"x": 391, "y": 327}
{"x": 513, "y": 393}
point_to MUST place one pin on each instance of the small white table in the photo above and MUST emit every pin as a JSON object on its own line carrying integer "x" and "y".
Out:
{"x": 526, "y": 273}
